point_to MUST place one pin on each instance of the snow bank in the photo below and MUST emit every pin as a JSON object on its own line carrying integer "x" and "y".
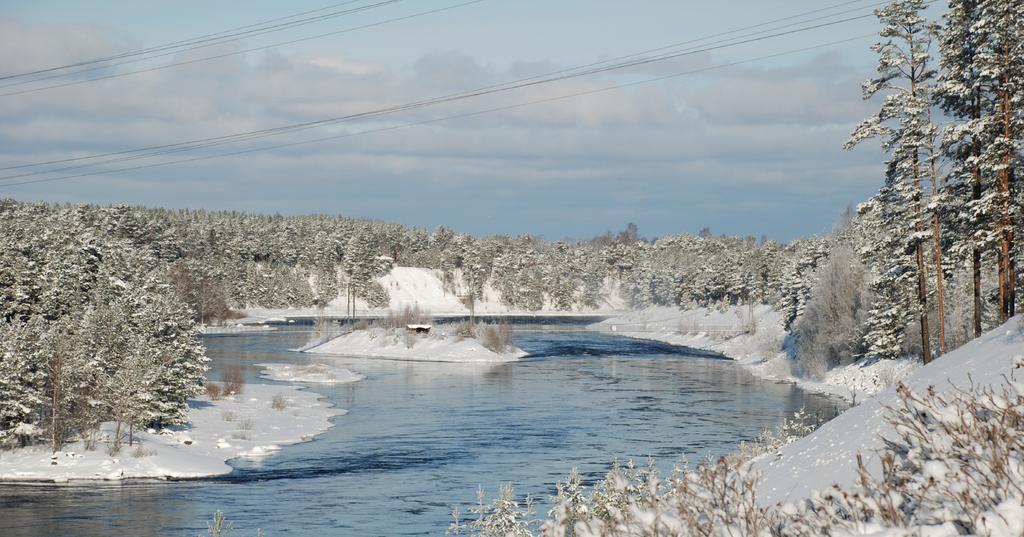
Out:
{"x": 828, "y": 456}
{"x": 725, "y": 330}
{"x": 763, "y": 350}
{"x": 312, "y": 373}
{"x": 245, "y": 425}
{"x": 235, "y": 329}
{"x": 392, "y": 344}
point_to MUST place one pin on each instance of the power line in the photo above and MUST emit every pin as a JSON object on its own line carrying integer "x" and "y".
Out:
{"x": 446, "y": 118}
{"x": 593, "y": 68}
{"x": 232, "y": 32}
{"x": 228, "y": 54}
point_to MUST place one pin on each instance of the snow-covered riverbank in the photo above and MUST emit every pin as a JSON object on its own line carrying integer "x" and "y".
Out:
{"x": 237, "y": 328}
{"x": 400, "y": 345}
{"x": 255, "y": 423}
{"x": 755, "y": 337}
{"x": 829, "y": 455}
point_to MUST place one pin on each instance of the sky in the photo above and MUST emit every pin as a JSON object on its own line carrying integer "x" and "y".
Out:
{"x": 732, "y": 141}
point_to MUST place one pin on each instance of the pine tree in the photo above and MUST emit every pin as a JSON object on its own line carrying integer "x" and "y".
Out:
{"x": 960, "y": 92}
{"x": 1001, "y": 68}
{"x": 905, "y": 75}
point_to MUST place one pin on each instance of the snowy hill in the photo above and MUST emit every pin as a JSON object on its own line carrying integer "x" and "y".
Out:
{"x": 828, "y": 455}
{"x": 426, "y": 289}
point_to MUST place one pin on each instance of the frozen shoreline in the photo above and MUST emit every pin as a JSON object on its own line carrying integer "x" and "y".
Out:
{"x": 393, "y": 345}
{"x": 246, "y": 425}
{"x": 763, "y": 351}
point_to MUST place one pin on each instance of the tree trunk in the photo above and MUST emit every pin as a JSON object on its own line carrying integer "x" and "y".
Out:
{"x": 922, "y": 288}
{"x": 1006, "y": 265}
{"x": 940, "y": 304}
{"x": 937, "y": 238}
{"x": 922, "y": 303}
{"x": 976, "y": 196}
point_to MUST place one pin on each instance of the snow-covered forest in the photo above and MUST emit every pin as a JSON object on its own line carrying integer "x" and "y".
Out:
{"x": 924, "y": 266}
{"x": 102, "y": 305}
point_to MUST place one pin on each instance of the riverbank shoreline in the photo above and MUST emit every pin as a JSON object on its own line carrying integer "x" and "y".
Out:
{"x": 754, "y": 338}
{"x": 253, "y": 424}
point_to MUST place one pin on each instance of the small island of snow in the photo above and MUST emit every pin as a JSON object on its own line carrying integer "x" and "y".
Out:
{"x": 311, "y": 373}
{"x": 398, "y": 344}
{"x": 254, "y": 423}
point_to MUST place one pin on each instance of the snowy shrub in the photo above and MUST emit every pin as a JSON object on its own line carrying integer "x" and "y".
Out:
{"x": 496, "y": 338}
{"x": 141, "y": 451}
{"x": 771, "y": 441}
{"x": 406, "y": 316}
{"x": 504, "y": 517}
{"x": 278, "y": 402}
{"x": 409, "y": 339}
{"x": 233, "y": 380}
{"x": 213, "y": 390}
{"x": 829, "y": 332}
{"x": 220, "y": 527}
{"x": 956, "y": 466}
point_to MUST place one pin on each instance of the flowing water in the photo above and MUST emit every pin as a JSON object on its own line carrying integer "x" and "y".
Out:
{"x": 421, "y": 437}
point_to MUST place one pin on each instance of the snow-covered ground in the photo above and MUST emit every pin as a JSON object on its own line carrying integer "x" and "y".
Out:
{"x": 244, "y": 425}
{"x": 311, "y": 373}
{"x": 395, "y": 344}
{"x": 828, "y": 456}
{"x": 424, "y": 288}
{"x": 728, "y": 331}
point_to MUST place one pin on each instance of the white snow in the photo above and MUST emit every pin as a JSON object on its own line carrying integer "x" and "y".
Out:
{"x": 424, "y": 288}
{"x": 313, "y": 373}
{"x": 392, "y": 344}
{"x": 727, "y": 331}
{"x": 244, "y": 425}
{"x": 828, "y": 456}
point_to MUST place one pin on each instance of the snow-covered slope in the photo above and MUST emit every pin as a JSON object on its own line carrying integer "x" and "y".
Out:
{"x": 424, "y": 288}
{"x": 380, "y": 343}
{"x": 829, "y": 454}
{"x": 244, "y": 425}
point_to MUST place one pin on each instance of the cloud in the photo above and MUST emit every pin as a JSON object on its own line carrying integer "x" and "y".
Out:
{"x": 734, "y": 149}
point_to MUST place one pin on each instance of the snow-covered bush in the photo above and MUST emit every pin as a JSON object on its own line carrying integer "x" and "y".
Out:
{"x": 496, "y": 338}
{"x": 955, "y": 467}
{"x": 792, "y": 429}
{"x": 504, "y": 517}
{"x": 829, "y": 333}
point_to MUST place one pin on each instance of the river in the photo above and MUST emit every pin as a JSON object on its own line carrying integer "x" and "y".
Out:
{"x": 421, "y": 437}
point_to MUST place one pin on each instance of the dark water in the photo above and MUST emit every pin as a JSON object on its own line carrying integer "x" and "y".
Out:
{"x": 420, "y": 437}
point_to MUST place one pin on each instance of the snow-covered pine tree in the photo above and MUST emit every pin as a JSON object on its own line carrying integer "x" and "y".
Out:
{"x": 22, "y": 380}
{"x": 1000, "y": 63}
{"x": 961, "y": 93}
{"x": 903, "y": 123}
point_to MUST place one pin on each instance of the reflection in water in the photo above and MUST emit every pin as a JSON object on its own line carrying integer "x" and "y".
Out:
{"x": 420, "y": 437}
